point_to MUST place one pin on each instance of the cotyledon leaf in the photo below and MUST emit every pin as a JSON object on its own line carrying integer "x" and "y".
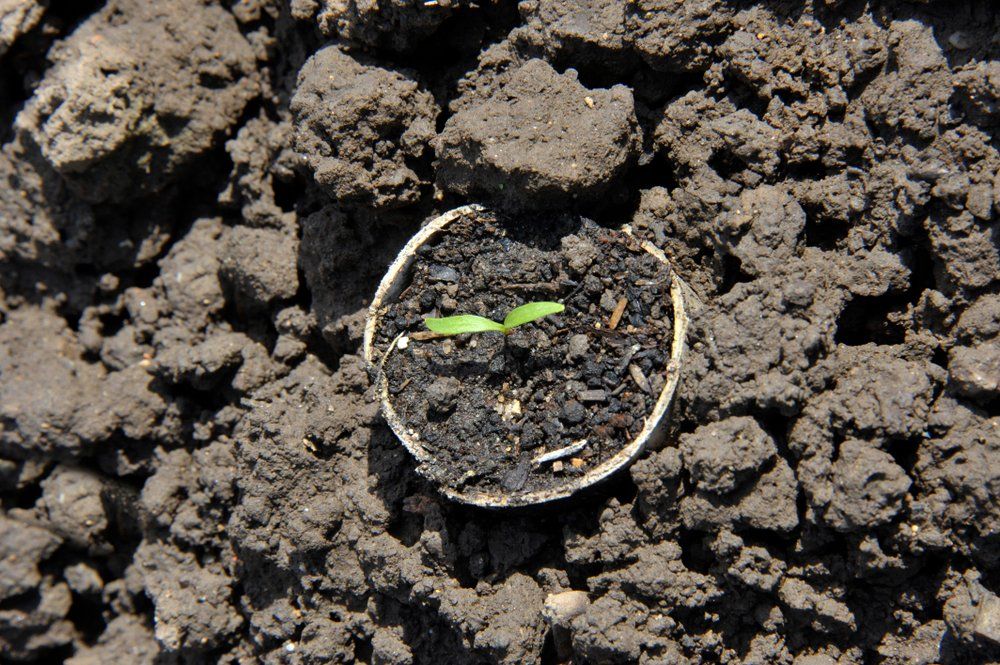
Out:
{"x": 531, "y": 311}
{"x": 463, "y": 323}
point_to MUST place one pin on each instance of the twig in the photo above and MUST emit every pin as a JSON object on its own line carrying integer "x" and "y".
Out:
{"x": 571, "y": 449}
{"x": 640, "y": 378}
{"x": 424, "y": 335}
{"x": 532, "y": 286}
{"x": 616, "y": 315}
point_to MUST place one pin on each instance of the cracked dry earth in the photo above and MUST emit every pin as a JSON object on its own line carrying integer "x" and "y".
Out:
{"x": 197, "y": 198}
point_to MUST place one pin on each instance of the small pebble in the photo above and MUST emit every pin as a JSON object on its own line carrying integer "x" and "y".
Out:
{"x": 608, "y": 301}
{"x": 439, "y": 273}
{"x": 578, "y": 346}
{"x": 987, "y": 623}
{"x": 509, "y": 410}
{"x": 573, "y": 412}
{"x": 109, "y": 282}
{"x": 561, "y": 608}
{"x": 959, "y": 40}
{"x": 442, "y": 394}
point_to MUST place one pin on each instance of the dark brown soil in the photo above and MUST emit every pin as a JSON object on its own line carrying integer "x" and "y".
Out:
{"x": 490, "y": 407}
{"x": 199, "y": 197}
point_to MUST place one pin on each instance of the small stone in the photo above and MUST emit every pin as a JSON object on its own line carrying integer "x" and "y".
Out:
{"x": 578, "y": 347}
{"x": 108, "y": 283}
{"x": 508, "y": 410}
{"x": 559, "y": 611}
{"x": 442, "y": 394}
{"x": 438, "y": 273}
{"x": 959, "y": 40}
{"x": 561, "y": 608}
{"x": 402, "y": 343}
{"x": 987, "y": 623}
{"x": 557, "y": 466}
{"x": 608, "y": 301}
{"x": 573, "y": 412}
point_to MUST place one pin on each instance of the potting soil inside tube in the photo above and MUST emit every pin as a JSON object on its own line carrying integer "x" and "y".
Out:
{"x": 494, "y": 411}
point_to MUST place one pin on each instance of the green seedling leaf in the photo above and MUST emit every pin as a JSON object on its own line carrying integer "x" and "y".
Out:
{"x": 463, "y": 323}
{"x": 529, "y": 312}
{"x": 470, "y": 323}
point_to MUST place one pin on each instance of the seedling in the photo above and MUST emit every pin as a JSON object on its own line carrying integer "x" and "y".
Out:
{"x": 470, "y": 323}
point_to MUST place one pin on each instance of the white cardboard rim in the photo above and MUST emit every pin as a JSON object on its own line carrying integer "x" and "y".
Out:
{"x": 655, "y": 425}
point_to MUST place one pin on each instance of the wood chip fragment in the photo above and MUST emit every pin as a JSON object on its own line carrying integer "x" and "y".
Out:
{"x": 639, "y": 378}
{"x": 616, "y": 315}
{"x": 576, "y": 463}
{"x": 593, "y": 395}
{"x": 424, "y": 335}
